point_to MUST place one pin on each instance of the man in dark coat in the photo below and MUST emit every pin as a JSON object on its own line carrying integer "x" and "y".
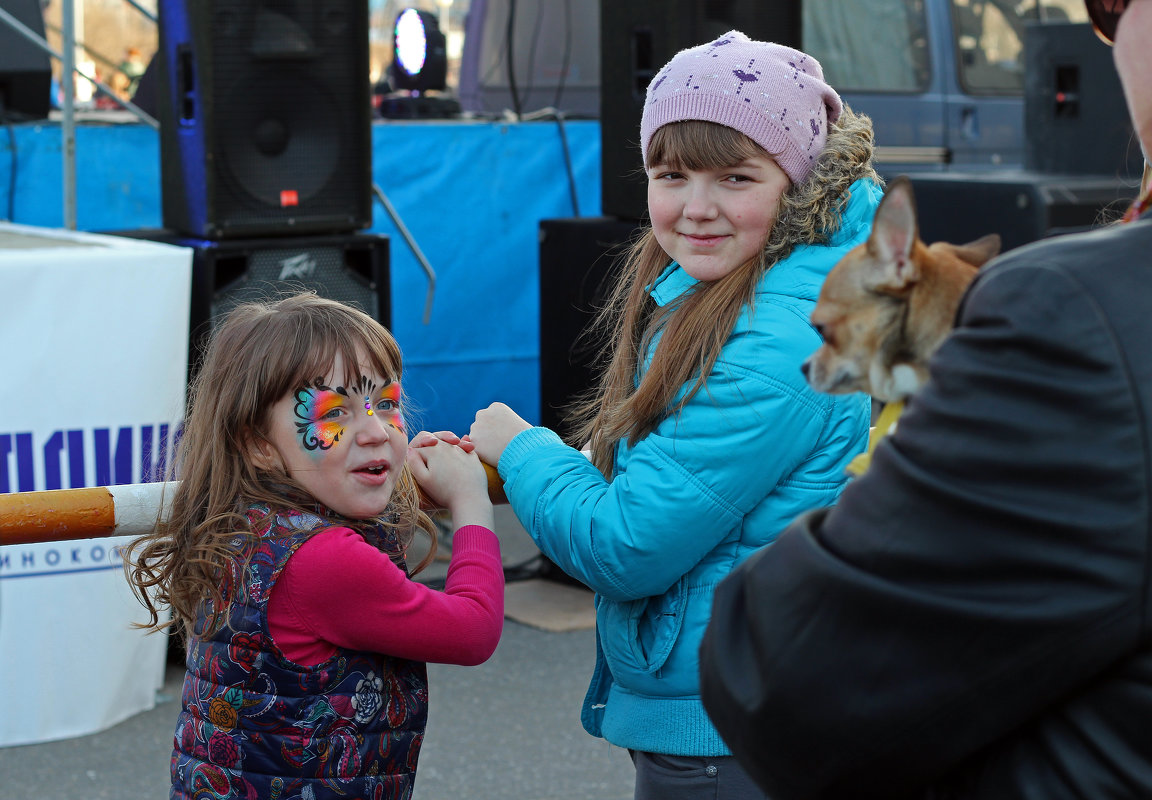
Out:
{"x": 974, "y": 618}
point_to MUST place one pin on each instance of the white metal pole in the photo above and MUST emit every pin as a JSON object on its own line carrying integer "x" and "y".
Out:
{"x": 68, "y": 124}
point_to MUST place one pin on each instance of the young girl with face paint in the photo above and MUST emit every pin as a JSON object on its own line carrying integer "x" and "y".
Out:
{"x": 705, "y": 439}
{"x": 283, "y": 562}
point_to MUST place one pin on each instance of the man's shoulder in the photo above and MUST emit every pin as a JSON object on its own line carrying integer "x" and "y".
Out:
{"x": 1084, "y": 251}
{"x": 1109, "y": 265}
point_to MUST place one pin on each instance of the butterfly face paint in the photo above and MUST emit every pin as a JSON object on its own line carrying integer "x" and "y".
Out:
{"x": 320, "y": 416}
{"x": 364, "y": 388}
{"x": 322, "y": 412}
{"x": 388, "y": 405}
{"x": 386, "y": 401}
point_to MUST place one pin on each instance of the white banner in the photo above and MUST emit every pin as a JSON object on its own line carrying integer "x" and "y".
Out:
{"x": 94, "y": 335}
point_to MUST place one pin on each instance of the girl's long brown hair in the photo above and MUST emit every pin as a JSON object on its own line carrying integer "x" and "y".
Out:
{"x": 696, "y": 326}
{"x": 259, "y": 353}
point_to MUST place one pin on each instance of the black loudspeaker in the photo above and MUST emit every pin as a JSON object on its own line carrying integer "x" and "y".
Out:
{"x": 637, "y": 38}
{"x": 350, "y": 267}
{"x": 25, "y": 72}
{"x": 1020, "y": 206}
{"x": 265, "y": 117}
{"x": 577, "y": 259}
{"x": 1075, "y": 117}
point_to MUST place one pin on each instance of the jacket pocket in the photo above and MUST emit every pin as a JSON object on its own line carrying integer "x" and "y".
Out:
{"x": 638, "y": 635}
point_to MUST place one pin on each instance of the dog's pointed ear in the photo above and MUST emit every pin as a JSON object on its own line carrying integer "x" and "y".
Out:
{"x": 893, "y": 236}
{"x": 979, "y": 252}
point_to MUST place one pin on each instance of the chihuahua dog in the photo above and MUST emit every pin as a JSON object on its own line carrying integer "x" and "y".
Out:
{"x": 889, "y": 303}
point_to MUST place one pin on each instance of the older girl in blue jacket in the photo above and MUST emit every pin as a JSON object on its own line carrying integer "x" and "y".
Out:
{"x": 705, "y": 440}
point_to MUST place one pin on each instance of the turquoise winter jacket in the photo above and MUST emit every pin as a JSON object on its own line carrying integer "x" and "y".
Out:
{"x": 722, "y": 477}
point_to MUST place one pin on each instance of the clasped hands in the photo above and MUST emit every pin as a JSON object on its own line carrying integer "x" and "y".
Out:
{"x": 490, "y": 433}
{"x": 494, "y": 427}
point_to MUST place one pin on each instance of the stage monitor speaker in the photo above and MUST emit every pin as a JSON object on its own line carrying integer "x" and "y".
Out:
{"x": 25, "y": 72}
{"x": 350, "y": 267}
{"x": 577, "y": 258}
{"x": 637, "y": 38}
{"x": 265, "y": 117}
{"x": 1075, "y": 117}
{"x": 1020, "y": 206}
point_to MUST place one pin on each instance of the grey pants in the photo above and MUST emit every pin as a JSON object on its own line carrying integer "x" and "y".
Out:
{"x": 663, "y": 777}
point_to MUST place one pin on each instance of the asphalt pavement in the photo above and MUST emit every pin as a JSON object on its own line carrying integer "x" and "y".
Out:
{"x": 508, "y": 729}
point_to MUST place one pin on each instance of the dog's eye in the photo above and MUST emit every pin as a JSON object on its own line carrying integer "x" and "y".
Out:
{"x": 819, "y": 330}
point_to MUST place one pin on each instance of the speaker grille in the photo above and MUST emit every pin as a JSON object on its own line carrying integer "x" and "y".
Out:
{"x": 284, "y": 80}
{"x": 279, "y": 271}
{"x": 286, "y": 140}
{"x": 266, "y": 117}
{"x": 1075, "y": 117}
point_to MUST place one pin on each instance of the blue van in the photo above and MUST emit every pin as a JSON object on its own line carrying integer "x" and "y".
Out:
{"x": 1008, "y": 116}
{"x": 943, "y": 81}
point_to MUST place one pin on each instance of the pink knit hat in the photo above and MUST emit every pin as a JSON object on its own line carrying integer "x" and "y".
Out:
{"x": 773, "y": 94}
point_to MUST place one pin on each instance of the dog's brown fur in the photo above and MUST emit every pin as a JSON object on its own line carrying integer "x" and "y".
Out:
{"x": 889, "y": 303}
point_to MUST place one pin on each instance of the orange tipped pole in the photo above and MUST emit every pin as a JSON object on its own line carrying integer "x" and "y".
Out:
{"x": 66, "y": 514}
{"x": 27, "y": 517}
{"x": 90, "y": 513}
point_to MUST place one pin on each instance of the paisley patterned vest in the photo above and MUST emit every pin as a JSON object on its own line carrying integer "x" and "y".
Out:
{"x": 256, "y": 725}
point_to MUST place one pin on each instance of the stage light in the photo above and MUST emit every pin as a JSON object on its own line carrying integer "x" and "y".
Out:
{"x": 419, "y": 52}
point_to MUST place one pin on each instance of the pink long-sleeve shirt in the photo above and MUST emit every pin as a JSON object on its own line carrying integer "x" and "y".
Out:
{"x": 339, "y": 591}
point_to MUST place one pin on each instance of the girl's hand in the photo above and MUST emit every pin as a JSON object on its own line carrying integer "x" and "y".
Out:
{"x": 424, "y": 438}
{"x": 453, "y": 479}
{"x": 493, "y": 429}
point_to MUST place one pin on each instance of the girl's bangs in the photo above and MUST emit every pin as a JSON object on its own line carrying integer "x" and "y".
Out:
{"x": 699, "y": 145}
{"x": 313, "y": 351}
{"x": 351, "y": 344}
{"x": 381, "y": 350}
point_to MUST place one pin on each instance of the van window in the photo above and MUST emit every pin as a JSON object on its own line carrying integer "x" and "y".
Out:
{"x": 990, "y": 39}
{"x": 878, "y": 46}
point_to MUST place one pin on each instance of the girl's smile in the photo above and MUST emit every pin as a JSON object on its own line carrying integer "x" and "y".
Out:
{"x": 711, "y": 221}
{"x": 701, "y": 240}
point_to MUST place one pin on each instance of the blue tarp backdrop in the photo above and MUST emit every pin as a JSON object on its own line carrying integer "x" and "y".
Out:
{"x": 471, "y": 194}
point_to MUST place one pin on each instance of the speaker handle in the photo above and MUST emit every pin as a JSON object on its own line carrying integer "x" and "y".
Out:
{"x": 186, "y": 82}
